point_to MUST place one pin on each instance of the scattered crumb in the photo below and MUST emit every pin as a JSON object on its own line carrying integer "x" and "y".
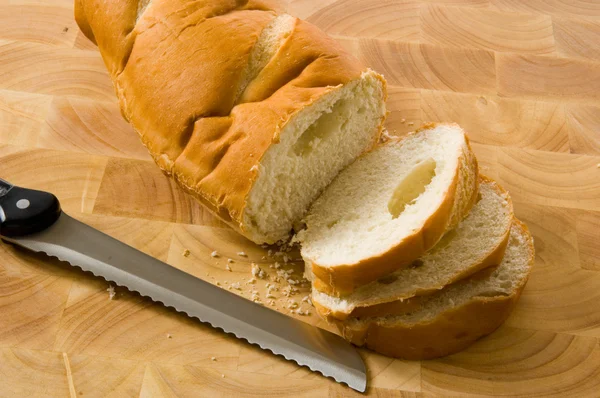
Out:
{"x": 251, "y": 155}
{"x": 218, "y": 283}
{"x": 285, "y": 259}
{"x": 185, "y": 253}
{"x": 270, "y": 296}
{"x": 227, "y": 267}
{"x": 271, "y": 302}
{"x": 270, "y": 253}
{"x": 251, "y": 281}
{"x": 303, "y": 312}
{"x": 230, "y": 261}
{"x": 111, "y": 292}
{"x": 263, "y": 258}
{"x": 66, "y": 29}
{"x": 222, "y": 376}
{"x": 258, "y": 272}
{"x": 214, "y": 359}
{"x": 236, "y": 286}
{"x": 169, "y": 336}
{"x": 411, "y": 123}
{"x": 207, "y": 274}
{"x": 214, "y": 254}
{"x": 254, "y": 168}
{"x": 242, "y": 254}
{"x": 403, "y": 121}
{"x": 598, "y": 165}
{"x": 292, "y": 304}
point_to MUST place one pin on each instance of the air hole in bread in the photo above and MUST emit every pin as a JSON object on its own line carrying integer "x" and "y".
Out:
{"x": 417, "y": 263}
{"x": 386, "y": 280}
{"x": 506, "y": 285}
{"x": 332, "y": 224}
{"x": 411, "y": 187}
{"x": 492, "y": 293}
{"x": 332, "y": 121}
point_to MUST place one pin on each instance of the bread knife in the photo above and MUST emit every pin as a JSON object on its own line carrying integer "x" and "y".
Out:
{"x": 34, "y": 220}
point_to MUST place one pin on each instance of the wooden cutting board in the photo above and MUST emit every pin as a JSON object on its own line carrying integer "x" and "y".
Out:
{"x": 522, "y": 77}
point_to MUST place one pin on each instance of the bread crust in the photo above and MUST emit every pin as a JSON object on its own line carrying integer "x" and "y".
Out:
{"x": 192, "y": 120}
{"x": 449, "y": 332}
{"x": 459, "y": 198}
{"x": 409, "y": 302}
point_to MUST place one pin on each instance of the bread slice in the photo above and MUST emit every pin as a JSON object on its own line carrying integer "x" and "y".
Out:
{"x": 390, "y": 206}
{"x": 250, "y": 110}
{"x": 455, "y": 317}
{"x": 476, "y": 243}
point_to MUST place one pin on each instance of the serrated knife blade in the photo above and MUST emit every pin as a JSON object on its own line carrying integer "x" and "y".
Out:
{"x": 91, "y": 250}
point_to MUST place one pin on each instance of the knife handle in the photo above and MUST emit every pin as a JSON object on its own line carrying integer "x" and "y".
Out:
{"x": 25, "y": 211}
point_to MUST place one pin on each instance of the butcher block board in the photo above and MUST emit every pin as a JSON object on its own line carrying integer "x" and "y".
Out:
{"x": 522, "y": 77}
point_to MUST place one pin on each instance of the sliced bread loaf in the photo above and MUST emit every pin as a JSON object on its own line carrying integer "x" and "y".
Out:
{"x": 455, "y": 317}
{"x": 250, "y": 110}
{"x": 388, "y": 207}
{"x": 476, "y": 243}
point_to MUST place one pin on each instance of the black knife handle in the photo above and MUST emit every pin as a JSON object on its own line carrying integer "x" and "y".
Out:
{"x": 25, "y": 211}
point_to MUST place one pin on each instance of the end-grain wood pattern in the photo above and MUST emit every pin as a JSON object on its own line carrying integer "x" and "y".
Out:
{"x": 523, "y": 78}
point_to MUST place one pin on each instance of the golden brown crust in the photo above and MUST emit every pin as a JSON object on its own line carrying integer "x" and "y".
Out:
{"x": 178, "y": 67}
{"x": 459, "y": 198}
{"x": 449, "y": 332}
{"x": 405, "y": 303}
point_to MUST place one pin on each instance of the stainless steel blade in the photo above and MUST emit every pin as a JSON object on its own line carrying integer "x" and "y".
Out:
{"x": 91, "y": 250}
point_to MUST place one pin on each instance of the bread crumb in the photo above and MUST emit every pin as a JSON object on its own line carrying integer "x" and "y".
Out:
{"x": 236, "y": 286}
{"x": 230, "y": 261}
{"x": 270, "y": 296}
{"x": 258, "y": 272}
{"x": 218, "y": 283}
{"x": 270, "y": 253}
{"x": 411, "y": 123}
{"x": 169, "y": 336}
{"x": 214, "y": 254}
{"x": 222, "y": 376}
{"x": 185, "y": 253}
{"x": 251, "y": 281}
{"x": 271, "y": 302}
{"x": 277, "y": 265}
{"x": 111, "y": 292}
{"x": 254, "y": 168}
{"x": 293, "y": 305}
{"x": 263, "y": 258}
{"x": 598, "y": 165}
{"x": 285, "y": 259}
{"x": 242, "y": 254}
{"x": 214, "y": 359}
{"x": 228, "y": 268}
{"x": 303, "y": 312}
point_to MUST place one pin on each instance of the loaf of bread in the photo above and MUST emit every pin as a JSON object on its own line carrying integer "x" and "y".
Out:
{"x": 453, "y": 318}
{"x": 478, "y": 242}
{"x": 250, "y": 110}
{"x": 388, "y": 208}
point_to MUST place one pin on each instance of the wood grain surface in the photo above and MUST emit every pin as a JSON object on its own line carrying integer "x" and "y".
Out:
{"x": 522, "y": 77}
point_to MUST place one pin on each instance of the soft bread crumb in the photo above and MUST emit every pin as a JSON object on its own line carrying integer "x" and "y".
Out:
{"x": 169, "y": 336}
{"x": 214, "y": 359}
{"x": 242, "y": 254}
{"x": 258, "y": 272}
{"x": 228, "y": 268}
{"x": 185, "y": 253}
{"x": 214, "y": 254}
{"x": 254, "y": 168}
{"x": 236, "y": 286}
{"x": 111, "y": 292}
{"x": 230, "y": 261}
